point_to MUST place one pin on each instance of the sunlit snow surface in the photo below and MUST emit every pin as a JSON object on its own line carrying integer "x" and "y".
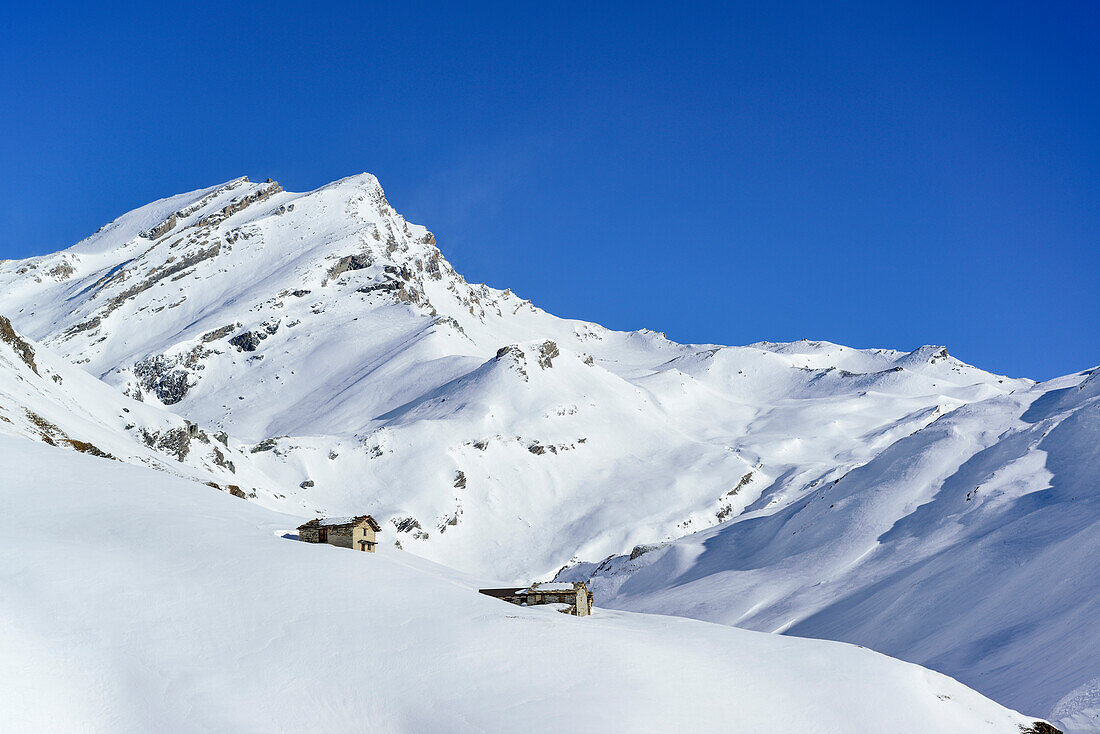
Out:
{"x": 970, "y": 546}
{"x": 380, "y": 384}
{"x": 132, "y": 601}
{"x": 805, "y": 487}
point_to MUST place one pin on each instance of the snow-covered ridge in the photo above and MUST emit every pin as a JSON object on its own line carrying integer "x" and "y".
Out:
{"x": 135, "y": 601}
{"x": 361, "y": 374}
{"x": 368, "y": 376}
{"x": 969, "y": 546}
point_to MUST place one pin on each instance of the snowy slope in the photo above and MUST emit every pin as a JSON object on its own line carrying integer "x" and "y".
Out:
{"x": 970, "y": 546}
{"x": 333, "y": 336}
{"x": 136, "y": 601}
{"x": 366, "y": 375}
{"x": 47, "y": 399}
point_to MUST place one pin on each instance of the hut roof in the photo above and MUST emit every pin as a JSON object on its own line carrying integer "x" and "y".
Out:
{"x": 501, "y": 593}
{"x": 539, "y": 587}
{"x": 546, "y": 587}
{"x": 329, "y": 522}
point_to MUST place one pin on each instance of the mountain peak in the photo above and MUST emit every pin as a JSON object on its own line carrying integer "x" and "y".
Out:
{"x": 365, "y": 181}
{"x": 276, "y": 316}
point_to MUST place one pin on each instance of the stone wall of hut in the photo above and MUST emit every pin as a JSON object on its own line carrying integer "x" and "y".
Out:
{"x": 340, "y": 535}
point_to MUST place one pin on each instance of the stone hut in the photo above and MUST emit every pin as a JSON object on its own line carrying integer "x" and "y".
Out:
{"x": 357, "y": 533}
{"x": 573, "y": 597}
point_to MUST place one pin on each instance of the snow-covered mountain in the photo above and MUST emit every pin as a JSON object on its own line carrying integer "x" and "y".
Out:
{"x": 135, "y": 601}
{"x": 334, "y": 337}
{"x": 970, "y": 546}
{"x": 363, "y": 374}
{"x": 45, "y": 398}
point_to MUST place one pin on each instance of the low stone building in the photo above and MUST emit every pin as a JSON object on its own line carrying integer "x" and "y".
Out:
{"x": 574, "y": 597}
{"x": 357, "y": 533}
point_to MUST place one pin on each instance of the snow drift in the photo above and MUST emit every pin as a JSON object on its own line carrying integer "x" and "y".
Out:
{"x": 137, "y": 601}
{"x": 969, "y": 546}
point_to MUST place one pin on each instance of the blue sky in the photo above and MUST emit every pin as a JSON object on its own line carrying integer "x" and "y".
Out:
{"x": 875, "y": 174}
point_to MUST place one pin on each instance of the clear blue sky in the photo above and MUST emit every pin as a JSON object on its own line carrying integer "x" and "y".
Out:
{"x": 875, "y": 174}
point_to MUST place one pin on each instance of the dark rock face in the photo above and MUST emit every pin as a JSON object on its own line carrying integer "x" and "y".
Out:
{"x": 176, "y": 442}
{"x": 385, "y": 286}
{"x": 451, "y": 521}
{"x": 83, "y": 326}
{"x": 307, "y": 484}
{"x": 22, "y": 348}
{"x": 547, "y": 351}
{"x": 725, "y": 511}
{"x": 358, "y": 262}
{"x": 346, "y": 263}
{"x": 266, "y": 445}
{"x": 160, "y": 376}
{"x": 641, "y": 550}
{"x": 218, "y": 333}
{"x": 432, "y": 268}
{"x": 406, "y": 524}
{"x": 220, "y": 460}
{"x": 451, "y": 322}
{"x": 460, "y": 480}
{"x": 399, "y": 272}
{"x": 172, "y": 387}
{"x": 161, "y": 229}
{"x": 86, "y": 448}
{"x": 241, "y": 203}
{"x": 62, "y": 270}
{"x": 248, "y": 341}
{"x": 514, "y": 357}
{"x": 409, "y": 525}
{"x": 1040, "y": 727}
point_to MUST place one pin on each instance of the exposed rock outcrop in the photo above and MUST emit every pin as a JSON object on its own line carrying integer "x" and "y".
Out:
{"x": 219, "y": 333}
{"x": 21, "y": 346}
{"x": 360, "y": 261}
{"x": 547, "y": 351}
{"x": 161, "y": 376}
{"x": 248, "y": 341}
{"x": 155, "y": 233}
{"x": 409, "y": 525}
{"x": 266, "y": 445}
{"x": 241, "y": 203}
{"x": 514, "y": 358}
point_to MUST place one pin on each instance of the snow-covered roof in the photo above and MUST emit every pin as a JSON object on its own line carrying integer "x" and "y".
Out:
{"x": 550, "y": 586}
{"x": 337, "y": 521}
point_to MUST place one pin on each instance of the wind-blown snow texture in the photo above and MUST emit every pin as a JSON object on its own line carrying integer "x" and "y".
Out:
{"x": 366, "y": 375}
{"x": 969, "y": 546}
{"x": 133, "y": 601}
